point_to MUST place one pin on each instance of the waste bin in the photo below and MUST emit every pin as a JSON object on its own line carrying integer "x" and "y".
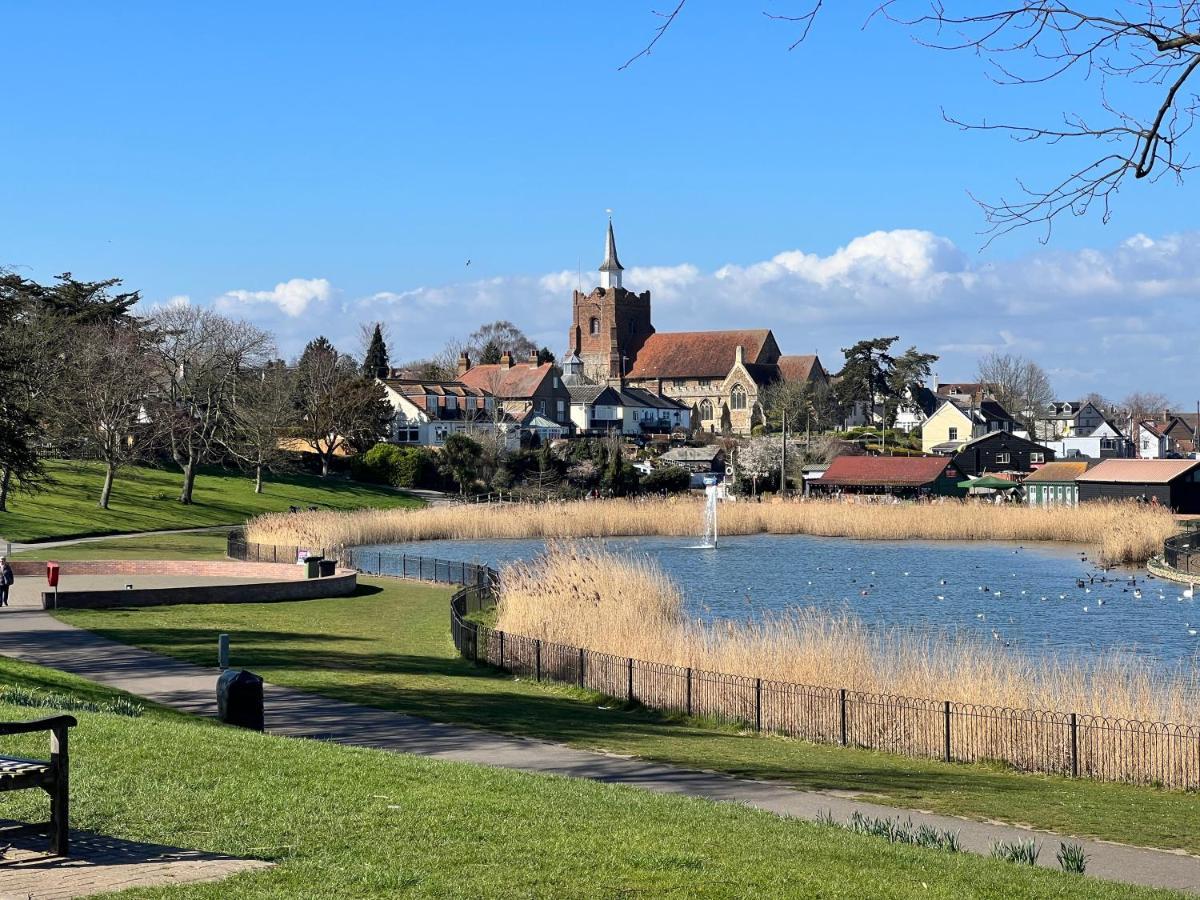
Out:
{"x": 240, "y": 699}
{"x": 327, "y": 567}
{"x": 312, "y": 567}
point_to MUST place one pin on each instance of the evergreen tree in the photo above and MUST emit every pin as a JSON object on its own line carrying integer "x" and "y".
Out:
{"x": 491, "y": 353}
{"x": 376, "y": 364}
{"x": 545, "y": 355}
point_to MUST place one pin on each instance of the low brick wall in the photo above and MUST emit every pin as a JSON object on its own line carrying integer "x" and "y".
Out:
{"x": 280, "y": 581}
{"x": 211, "y": 568}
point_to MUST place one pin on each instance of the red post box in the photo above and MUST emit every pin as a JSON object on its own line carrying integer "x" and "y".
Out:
{"x": 52, "y": 574}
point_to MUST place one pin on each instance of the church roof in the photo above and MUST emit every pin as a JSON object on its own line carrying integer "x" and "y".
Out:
{"x": 696, "y": 354}
{"x": 518, "y": 381}
{"x": 798, "y": 368}
{"x": 611, "y": 263}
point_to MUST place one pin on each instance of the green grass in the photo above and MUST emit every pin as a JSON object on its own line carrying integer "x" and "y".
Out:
{"x": 194, "y": 545}
{"x": 347, "y": 822}
{"x": 144, "y": 499}
{"x": 389, "y": 647}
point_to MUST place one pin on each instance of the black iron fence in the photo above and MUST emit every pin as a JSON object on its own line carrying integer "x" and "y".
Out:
{"x": 1181, "y": 552}
{"x": 1099, "y": 747}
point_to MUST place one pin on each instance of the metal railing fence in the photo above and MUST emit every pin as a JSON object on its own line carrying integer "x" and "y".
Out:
{"x": 1181, "y": 552}
{"x": 1086, "y": 746}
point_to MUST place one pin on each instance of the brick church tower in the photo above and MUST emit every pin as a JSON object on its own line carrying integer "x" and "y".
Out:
{"x": 609, "y": 325}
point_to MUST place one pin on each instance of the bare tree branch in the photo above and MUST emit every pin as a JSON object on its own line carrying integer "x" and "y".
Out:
{"x": 669, "y": 19}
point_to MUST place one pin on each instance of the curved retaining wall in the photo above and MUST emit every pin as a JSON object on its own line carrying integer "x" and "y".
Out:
{"x": 280, "y": 581}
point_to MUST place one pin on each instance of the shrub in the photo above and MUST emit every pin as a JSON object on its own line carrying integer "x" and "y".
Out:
{"x": 667, "y": 480}
{"x": 1071, "y": 858}
{"x": 1021, "y": 852}
{"x": 377, "y": 465}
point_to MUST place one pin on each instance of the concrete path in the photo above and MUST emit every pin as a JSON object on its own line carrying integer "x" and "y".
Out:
{"x": 36, "y": 637}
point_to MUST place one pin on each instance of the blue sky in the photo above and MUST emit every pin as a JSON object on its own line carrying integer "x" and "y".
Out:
{"x": 311, "y": 165}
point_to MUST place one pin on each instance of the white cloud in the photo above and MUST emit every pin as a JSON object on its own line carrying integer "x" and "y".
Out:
{"x": 1133, "y": 304}
{"x": 292, "y": 297}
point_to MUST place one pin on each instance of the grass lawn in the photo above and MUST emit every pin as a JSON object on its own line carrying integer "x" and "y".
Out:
{"x": 143, "y": 499}
{"x": 193, "y": 545}
{"x": 390, "y": 647}
{"x": 345, "y": 822}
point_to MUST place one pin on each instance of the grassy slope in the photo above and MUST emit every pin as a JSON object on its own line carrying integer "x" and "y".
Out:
{"x": 347, "y": 822}
{"x": 144, "y": 500}
{"x": 391, "y": 649}
{"x": 194, "y": 545}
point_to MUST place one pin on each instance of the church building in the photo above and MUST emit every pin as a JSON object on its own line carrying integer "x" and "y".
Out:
{"x": 719, "y": 375}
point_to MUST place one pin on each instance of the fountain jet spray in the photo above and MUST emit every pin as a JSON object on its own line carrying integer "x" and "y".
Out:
{"x": 710, "y": 513}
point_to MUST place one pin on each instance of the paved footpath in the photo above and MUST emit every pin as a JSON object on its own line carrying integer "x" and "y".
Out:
{"x": 36, "y": 637}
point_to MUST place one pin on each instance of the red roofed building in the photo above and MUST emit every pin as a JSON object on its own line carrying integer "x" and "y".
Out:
{"x": 903, "y": 476}
{"x": 718, "y": 374}
{"x": 521, "y": 388}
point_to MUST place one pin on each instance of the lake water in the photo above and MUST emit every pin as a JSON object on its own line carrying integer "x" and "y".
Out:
{"x": 1028, "y": 597}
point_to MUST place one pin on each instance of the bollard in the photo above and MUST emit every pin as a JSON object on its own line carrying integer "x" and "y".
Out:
{"x": 223, "y": 651}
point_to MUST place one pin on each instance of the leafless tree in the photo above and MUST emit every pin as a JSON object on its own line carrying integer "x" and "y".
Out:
{"x": 1152, "y": 44}
{"x": 199, "y": 359}
{"x": 1143, "y": 406}
{"x": 264, "y": 414}
{"x": 338, "y": 408}
{"x": 1020, "y": 385}
{"x": 102, "y": 394}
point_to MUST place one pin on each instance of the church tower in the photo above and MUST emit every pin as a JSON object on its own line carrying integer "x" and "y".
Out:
{"x": 609, "y": 325}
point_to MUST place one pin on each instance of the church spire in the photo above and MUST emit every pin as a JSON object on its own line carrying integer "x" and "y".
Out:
{"x": 611, "y": 268}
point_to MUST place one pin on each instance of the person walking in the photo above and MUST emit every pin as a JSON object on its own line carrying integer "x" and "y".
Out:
{"x": 6, "y": 580}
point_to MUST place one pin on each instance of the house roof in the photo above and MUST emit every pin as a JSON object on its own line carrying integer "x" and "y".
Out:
{"x": 901, "y": 471}
{"x": 590, "y": 393}
{"x": 516, "y": 382}
{"x": 1005, "y": 435}
{"x": 692, "y": 454}
{"x": 651, "y": 399}
{"x": 799, "y": 368}
{"x": 696, "y": 354}
{"x": 1188, "y": 420}
{"x": 1138, "y": 471}
{"x": 416, "y": 387}
{"x": 1153, "y": 427}
{"x": 1060, "y": 471}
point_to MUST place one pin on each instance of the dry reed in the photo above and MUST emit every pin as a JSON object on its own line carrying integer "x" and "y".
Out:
{"x": 584, "y": 596}
{"x": 1123, "y": 533}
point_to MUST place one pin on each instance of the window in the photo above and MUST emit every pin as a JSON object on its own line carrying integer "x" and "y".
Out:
{"x": 1037, "y": 458}
{"x": 737, "y": 397}
{"x": 706, "y": 410}
{"x": 678, "y": 383}
{"x": 1002, "y": 459}
{"x": 953, "y": 434}
{"x": 560, "y": 410}
{"x": 451, "y": 402}
{"x": 594, "y": 326}
{"x": 704, "y": 383}
{"x": 541, "y": 407}
{"x": 439, "y": 434}
{"x": 556, "y": 381}
{"x": 632, "y": 327}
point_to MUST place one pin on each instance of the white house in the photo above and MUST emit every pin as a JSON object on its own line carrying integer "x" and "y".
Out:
{"x": 630, "y": 410}
{"x": 427, "y": 412}
{"x": 1152, "y": 442}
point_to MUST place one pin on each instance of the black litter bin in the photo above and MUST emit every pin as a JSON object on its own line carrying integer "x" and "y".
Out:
{"x": 240, "y": 699}
{"x": 312, "y": 566}
{"x": 328, "y": 567}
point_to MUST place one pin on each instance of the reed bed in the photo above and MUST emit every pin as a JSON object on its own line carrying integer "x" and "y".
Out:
{"x": 1122, "y": 533}
{"x": 785, "y": 673}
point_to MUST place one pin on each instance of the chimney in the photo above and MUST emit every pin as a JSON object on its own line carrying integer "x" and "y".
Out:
{"x": 464, "y": 364}
{"x": 506, "y": 360}
{"x": 533, "y": 355}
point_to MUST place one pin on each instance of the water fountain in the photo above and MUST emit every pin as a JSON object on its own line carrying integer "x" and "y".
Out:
{"x": 709, "y": 538}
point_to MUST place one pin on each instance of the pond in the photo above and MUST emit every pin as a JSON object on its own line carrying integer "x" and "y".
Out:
{"x": 1041, "y": 599}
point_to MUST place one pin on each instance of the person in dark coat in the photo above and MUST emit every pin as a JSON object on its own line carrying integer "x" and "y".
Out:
{"x": 6, "y": 580}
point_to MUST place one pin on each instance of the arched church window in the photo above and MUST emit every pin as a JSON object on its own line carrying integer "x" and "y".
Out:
{"x": 594, "y": 326}
{"x": 737, "y": 397}
{"x": 706, "y": 410}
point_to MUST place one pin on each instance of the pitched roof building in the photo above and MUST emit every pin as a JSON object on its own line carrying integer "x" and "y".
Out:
{"x": 520, "y": 387}
{"x": 902, "y": 475}
{"x": 718, "y": 375}
{"x": 1174, "y": 483}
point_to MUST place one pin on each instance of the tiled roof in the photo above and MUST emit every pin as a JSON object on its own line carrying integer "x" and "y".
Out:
{"x": 649, "y": 398}
{"x": 1059, "y": 471}
{"x": 521, "y": 380}
{"x": 1153, "y": 427}
{"x": 903, "y": 471}
{"x": 415, "y": 387}
{"x": 798, "y": 368}
{"x": 589, "y": 393}
{"x": 696, "y": 354}
{"x": 1139, "y": 471}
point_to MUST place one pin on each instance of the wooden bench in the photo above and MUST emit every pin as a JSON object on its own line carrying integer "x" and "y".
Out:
{"x": 17, "y": 774}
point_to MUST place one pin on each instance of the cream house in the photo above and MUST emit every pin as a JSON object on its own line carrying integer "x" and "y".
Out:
{"x": 954, "y": 423}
